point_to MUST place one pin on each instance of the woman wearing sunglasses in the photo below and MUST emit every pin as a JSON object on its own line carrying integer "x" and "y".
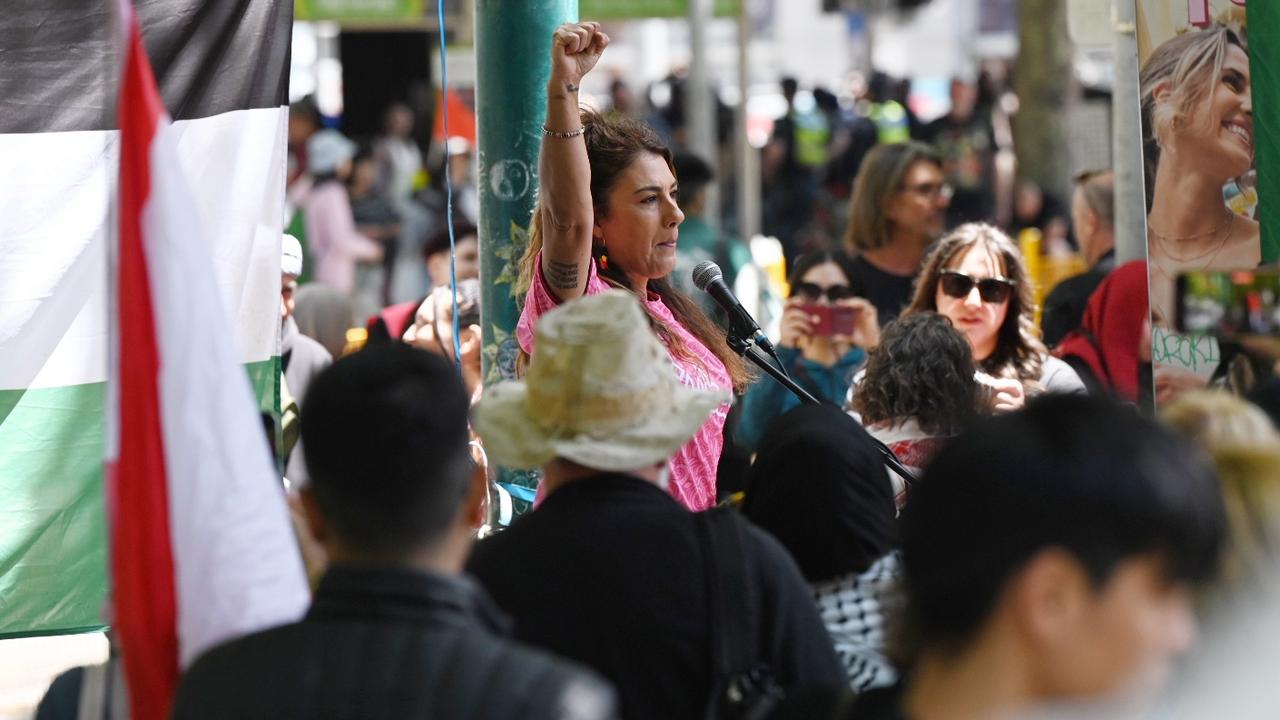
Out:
{"x": 976, "y": 277}
{"x": 825, "y": 333}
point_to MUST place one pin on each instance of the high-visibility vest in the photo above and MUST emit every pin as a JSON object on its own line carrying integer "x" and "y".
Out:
{"x": 891, "y": 122}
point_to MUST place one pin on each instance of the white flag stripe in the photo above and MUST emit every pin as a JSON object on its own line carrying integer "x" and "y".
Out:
{"x": 53, "y": 314}
{"x": 236, "y": 561}
{"x": 54, "y": 190}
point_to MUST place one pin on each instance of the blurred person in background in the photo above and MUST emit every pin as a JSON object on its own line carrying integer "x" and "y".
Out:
{"x": 377, "y": 219}
{"x": 397, "y": 156}
{"x": 976, "y": 277}
{"x": 466, "y": 261}
{"x": 699, "y": 241}
{"x": 335, "y": 244}
{"x": 819, "y": 486}
{"x": 1035, "y": 209}
{"x": 622, "y": 100}
{"x": 966, "y": 141}
{"x": 1233, "y": 674}
{"x": 323, "y": 314}
{"x": 897, "y": 211}
{"x": 821, "y": 362}
{"x": 1049, "y": 556}
{"x": 301, "y": 357}
{"x": 432, "y": 330}
{"x": 1093, "y": 213}
{"x": 391, "y": 322}
{"x": 608, "y": 218}
{"x": 791, "y": 161}
{"x": 1217, "y": 420}
{"x": 610, "y": 570}
{"x": 394, "y": 629}
{"x": 1111, "y": 349}
{"x": 918, "y": 390}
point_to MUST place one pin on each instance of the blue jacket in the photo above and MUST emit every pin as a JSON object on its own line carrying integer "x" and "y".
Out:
{"x": 767, "y": 398}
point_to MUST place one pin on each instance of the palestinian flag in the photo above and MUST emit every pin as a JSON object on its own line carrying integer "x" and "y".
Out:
{"x": 200, "y": 542}
{"x": 222, "y": 70}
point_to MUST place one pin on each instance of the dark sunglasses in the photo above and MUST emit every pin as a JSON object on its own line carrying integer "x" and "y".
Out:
{"x": 812, "y": 291}
{"x": 991, "y": 290}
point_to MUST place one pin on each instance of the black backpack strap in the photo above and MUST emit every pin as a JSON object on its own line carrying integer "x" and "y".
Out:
{"x": 729, "y": 594}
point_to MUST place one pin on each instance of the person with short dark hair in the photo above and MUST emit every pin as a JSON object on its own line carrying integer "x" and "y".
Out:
{"x": 1049, "y": 556}
{"x": 394, "y": 629}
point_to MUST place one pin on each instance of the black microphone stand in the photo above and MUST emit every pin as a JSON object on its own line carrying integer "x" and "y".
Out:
{"x": 747, "y": 349}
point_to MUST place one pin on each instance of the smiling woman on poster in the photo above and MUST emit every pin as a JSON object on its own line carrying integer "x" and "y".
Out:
{"x": 1198, "y": 140}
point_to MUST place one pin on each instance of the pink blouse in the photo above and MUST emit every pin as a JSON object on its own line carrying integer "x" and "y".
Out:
{"x": 693, "y": 468}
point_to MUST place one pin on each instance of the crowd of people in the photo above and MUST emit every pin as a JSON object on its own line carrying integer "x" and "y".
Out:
{"x": 704, "y": 543}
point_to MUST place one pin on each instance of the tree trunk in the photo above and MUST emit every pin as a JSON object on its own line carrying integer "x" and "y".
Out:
{"x": 1045, "y": 84}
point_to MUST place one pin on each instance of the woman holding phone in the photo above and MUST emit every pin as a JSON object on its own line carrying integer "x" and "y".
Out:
{"x": 825, "y": 334}
{"x": 976, "y": 277}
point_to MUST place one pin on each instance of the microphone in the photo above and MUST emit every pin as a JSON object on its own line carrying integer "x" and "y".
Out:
{"x": 708, "y": 278}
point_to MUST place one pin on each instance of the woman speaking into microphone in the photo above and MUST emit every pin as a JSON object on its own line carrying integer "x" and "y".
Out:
{"x": 607, "y": 218}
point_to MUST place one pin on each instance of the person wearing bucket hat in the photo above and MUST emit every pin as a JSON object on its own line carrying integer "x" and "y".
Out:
{"x": 607, "y": 217}
{"x": 332, "y": 238}
{"x": 600, "y": 393}
{"x": 610, "y": 570}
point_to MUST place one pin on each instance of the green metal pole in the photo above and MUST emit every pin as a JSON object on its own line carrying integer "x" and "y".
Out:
{"x": 513, "y": 48}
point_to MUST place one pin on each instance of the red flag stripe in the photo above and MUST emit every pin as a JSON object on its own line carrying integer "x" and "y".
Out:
{"x": 144, "y": 599}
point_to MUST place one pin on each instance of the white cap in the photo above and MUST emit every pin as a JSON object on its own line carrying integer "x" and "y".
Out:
{"x": 290, "y": 255}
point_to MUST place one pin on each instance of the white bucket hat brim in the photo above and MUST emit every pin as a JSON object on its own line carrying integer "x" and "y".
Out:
{"x": 605, "y": 393}
{"x": 514, "y": 438}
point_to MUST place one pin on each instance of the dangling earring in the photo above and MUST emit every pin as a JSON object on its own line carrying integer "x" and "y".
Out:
{"x": 604, "y": 261}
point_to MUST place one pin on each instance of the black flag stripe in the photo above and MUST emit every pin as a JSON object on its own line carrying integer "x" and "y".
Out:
{"x": 59, "y": 68}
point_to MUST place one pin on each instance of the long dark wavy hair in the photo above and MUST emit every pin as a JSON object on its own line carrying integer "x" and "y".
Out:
{"x": 613, "y": 143}
{"x": 1019, "y": 352}
{"x": 922, "y": 370}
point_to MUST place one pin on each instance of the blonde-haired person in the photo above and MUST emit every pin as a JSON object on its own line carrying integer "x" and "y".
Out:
{"x": 976, "y": 277}
{"x": 607, "y": 217}
{"x": 1197, "y": 111}
{"x": 1217, "y": 420}
{"x": 1245, "y": 448}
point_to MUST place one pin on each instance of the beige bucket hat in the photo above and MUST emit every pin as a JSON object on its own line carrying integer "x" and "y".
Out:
{"x": 600, "y": 391}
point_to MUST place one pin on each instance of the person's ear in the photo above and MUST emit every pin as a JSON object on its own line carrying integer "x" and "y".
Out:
{"x": 1050, "y": 596}
{"x": 314, "y": 516}
{"x": 1091, "y": 221}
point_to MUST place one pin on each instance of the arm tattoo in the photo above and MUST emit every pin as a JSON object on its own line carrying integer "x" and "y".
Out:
{"x": 561, "y": 275}
{"x": 571, "y": 87}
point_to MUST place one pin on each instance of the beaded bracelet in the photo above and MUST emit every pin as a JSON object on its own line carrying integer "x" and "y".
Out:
{"x": 563, "y": 135}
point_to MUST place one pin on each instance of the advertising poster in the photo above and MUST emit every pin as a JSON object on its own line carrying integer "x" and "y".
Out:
{"x": 1200, "y": 171}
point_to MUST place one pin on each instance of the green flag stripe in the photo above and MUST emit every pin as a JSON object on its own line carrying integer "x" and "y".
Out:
{"x": 53, "y": 557}
{"x": 1264, "y": 68}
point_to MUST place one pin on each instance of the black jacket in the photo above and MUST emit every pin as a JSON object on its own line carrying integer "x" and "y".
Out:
{"x": 389, "y": 643}
{"x": 609, "y": 572}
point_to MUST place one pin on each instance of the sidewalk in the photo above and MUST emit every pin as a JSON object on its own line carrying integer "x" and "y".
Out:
{"x": 28, "y": 665}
